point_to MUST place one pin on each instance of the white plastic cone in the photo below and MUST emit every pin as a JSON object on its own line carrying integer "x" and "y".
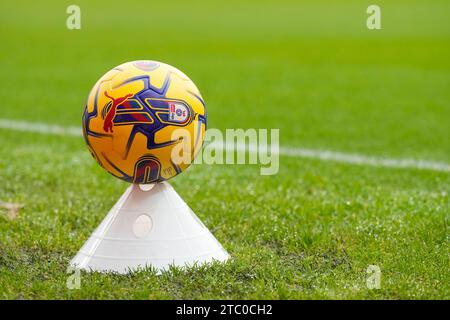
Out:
{"x": 148, "y": 228}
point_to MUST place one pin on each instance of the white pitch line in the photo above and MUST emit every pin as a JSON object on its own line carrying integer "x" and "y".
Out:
{"x": 359, "y": 159}
{"x": 37, "y": 127}
{"x": 324, "y": 155}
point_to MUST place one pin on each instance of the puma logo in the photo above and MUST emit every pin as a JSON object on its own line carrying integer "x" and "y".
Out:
{"x": 108, "y": 124}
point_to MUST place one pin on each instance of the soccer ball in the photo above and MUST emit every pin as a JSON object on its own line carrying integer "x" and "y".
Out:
{"x": 131, "y": 119}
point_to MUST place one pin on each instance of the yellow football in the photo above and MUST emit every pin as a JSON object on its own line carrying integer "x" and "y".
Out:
{"x": 141, "y": 118}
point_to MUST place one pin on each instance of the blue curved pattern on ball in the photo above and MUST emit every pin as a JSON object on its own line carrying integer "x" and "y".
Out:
{"x": 87, "y": 116}
{"x": 198, "y": 97}
{"x": 149, "y": 130}
{"x": 125, "y": 177}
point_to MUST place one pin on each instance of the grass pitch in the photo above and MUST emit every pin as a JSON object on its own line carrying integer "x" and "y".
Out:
{"x": 313, "y": 70}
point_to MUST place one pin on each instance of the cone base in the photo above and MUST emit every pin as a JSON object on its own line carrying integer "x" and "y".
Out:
{"x": 153, "y": 228}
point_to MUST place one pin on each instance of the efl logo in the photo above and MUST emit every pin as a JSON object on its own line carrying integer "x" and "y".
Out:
{"x": 178, "y": 112}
